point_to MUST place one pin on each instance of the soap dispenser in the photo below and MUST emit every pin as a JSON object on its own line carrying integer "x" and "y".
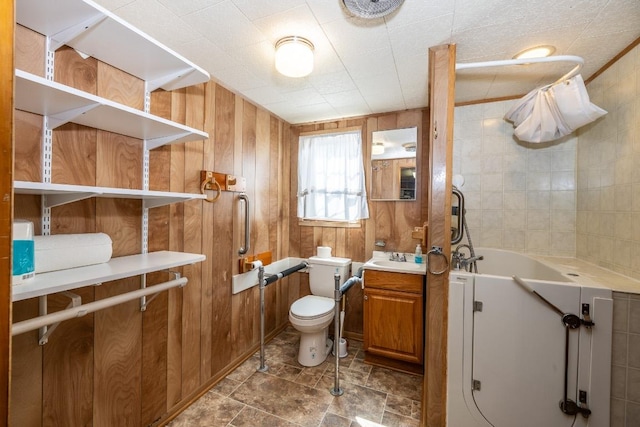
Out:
{"x": 418, "y": 256}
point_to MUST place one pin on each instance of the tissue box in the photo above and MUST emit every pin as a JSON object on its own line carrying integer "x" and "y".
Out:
{"x": 23, "y": 252}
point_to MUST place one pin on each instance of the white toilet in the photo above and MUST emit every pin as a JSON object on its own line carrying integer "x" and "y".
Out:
{"x": 312, "y": 314}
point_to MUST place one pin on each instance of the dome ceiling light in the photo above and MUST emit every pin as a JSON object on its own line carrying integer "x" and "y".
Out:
{"x": 535, "y": 52}
{"x": 294, "y": 56}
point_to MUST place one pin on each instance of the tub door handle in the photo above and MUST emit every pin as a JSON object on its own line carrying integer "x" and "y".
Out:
{"x": 247, "y": 224}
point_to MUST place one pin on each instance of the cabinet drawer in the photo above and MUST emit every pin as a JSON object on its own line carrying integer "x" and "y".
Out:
{"x": 404, "y": 282}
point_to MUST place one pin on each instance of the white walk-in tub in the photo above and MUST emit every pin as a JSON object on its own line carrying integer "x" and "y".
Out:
{"x": 506, "y": 347}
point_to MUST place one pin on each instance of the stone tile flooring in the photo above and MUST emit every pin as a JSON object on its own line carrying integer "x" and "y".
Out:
{"x": 290, "y": 395}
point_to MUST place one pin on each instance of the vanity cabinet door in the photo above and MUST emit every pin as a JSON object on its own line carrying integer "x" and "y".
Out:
{"x": 393, "y": 321}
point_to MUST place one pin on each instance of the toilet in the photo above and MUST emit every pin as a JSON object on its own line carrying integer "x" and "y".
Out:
{"x": 312, "y": 314}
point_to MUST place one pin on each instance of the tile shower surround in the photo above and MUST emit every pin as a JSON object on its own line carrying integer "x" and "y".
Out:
{"x": 518, "y": 196}
{"x": 579, "y": 197}
{"x": 290, "y": 395}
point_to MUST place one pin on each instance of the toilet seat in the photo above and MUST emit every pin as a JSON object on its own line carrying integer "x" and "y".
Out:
{"x": 312, "y": 307}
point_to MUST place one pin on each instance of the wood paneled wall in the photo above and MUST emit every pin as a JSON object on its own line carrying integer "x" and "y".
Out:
{"x": 6, "y": 201}
{"x": 391, "y": 221}
{"x": 121, "y": 366}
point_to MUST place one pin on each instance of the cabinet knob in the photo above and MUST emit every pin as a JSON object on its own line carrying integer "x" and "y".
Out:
{"x": 366, "y": 297}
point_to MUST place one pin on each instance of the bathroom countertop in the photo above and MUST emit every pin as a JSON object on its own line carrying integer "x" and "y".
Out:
{"x": 591, "y": 274}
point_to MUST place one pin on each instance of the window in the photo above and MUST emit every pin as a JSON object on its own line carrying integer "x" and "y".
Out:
{"x": 331, "y": 177}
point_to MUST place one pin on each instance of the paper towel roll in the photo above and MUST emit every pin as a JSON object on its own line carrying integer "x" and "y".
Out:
{"x": 256, "y": 264}
{"x": 62, "y": 251}
{"x": 324, "y": 251}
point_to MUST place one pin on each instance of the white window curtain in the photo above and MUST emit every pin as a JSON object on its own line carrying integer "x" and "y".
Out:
{"x": 331, "y": 177}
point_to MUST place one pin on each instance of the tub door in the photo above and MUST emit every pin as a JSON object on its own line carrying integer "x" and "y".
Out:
{"x": 519, "y": 350}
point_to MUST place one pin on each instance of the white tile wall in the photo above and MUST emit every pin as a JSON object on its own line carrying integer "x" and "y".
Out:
{"x": 608, "y": 172}
{"x": 518, "y": 196}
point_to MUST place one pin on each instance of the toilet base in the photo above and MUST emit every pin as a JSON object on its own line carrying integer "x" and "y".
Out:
{"x": 314, "y": 348}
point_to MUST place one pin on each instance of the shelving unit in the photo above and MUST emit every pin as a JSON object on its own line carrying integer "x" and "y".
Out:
{"x": 60, "y": 194}
{"x": 94, "y": 31}
{"x": 62, "y": 104}
{"x": 117, "y": 268}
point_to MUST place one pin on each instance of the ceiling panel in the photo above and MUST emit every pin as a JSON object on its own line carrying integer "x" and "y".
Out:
{"x": 371, "y": 66}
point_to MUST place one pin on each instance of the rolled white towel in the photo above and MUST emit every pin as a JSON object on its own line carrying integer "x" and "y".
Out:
{"x": 62, "y": 251}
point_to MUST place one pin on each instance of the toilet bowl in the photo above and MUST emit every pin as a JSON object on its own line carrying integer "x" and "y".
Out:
{"x": 312, "y": 314}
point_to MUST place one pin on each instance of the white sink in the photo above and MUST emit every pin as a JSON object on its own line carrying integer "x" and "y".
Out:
{"x": 385, "y": 264}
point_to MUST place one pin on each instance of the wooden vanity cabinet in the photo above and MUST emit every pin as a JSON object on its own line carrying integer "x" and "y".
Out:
{"x": 394, "y": 319}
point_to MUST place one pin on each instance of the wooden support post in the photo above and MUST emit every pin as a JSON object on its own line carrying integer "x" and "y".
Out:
{"x": 440, "y": 137}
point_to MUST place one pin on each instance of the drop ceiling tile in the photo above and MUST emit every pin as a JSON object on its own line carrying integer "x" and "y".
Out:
{"x": 225, "y": 25}
{"x": 348, "y": 101}
{"x": 258, "y": 57}
{"x": 159, "y": 22}
{"x": 369, "y": 64}
{"x": 185, "y": 7}
{"x": 216, "y": 59}
{"x": 382, "y": 93}
{"x": 413, "y": 39}
{"x": 356, "y": 37}
{"x": 265, "y": 95}
{"x": 303, "y": 114}
{"x": 327, "y": 11}
{"x": 254, "y": 10}
{"x": 239, "y": 78}
{"x": 332, "y": 82}
{"x": 297, "y": 21}
{"x": 625, "y": 19}
{"x": 415, "y": 11}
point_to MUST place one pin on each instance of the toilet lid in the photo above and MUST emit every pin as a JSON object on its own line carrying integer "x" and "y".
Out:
{"x": 312, "y": 306}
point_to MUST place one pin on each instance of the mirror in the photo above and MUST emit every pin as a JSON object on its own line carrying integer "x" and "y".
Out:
{"x": 393, "y": 164}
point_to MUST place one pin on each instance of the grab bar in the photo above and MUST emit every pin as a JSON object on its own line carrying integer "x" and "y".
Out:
{"x": 459, "y": 212}
{"x": 263, "y": 282}
{"x": 247, "y": 224}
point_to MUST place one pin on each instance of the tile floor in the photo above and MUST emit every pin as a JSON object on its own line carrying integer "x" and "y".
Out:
{"x": 289, "y": 394}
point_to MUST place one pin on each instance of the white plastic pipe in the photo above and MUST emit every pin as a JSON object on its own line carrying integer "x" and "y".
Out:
{"x": 81, "y": 310}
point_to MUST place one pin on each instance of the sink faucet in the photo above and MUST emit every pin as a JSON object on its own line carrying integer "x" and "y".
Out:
{"x": 397, "y": 257}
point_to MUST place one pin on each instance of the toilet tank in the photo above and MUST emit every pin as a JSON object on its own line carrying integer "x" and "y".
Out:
{"x": 321, "y": 271}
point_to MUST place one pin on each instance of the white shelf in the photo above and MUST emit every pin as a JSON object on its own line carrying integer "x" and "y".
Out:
{"x": 63, "y": 104}
{"x": 60, "y": 194}
{"x": 93, "y": 30}
{"x": 117, "y": 268}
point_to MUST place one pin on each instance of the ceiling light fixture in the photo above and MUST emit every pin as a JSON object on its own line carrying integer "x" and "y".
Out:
{"x": 535, "y": 52}
{"x": 377, "y": 148}
{"x": 409, "y": 147}
{"x": 294, "y": 56}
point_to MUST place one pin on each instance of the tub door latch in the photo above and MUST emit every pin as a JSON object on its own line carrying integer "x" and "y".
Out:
{"x": 586, "y": 316}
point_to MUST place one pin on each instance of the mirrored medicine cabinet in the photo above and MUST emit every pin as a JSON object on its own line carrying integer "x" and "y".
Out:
{"x": 393, "y": 164}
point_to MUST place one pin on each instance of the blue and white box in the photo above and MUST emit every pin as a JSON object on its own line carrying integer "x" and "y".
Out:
{"x": 23, "y": 252}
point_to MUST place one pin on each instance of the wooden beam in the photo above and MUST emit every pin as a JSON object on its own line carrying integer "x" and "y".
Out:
{"x": 440, "y": 137}
{"x": 6, "y": 201}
